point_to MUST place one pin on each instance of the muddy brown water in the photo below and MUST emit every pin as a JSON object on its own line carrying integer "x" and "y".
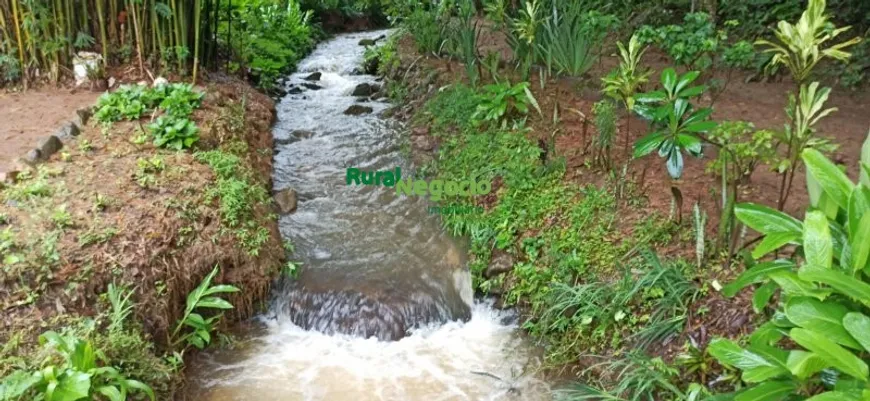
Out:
{"x": 383, "y": 308}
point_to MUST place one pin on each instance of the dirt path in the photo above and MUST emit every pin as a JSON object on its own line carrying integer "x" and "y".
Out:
{"x": 25, "y": 117}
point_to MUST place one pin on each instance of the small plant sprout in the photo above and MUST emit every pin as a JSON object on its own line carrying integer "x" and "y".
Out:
{"x": 61, "y": 218}
{"x": 194, "y": 329}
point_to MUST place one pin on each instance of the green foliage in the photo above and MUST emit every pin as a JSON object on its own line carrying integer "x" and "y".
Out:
{"x": 78, "y": 376}
{"x": 239, "y": 193}
{"x": 638, "y": 378}
{"x": 177, "y": 101}
{"x": 675, "y": 122}
{"x": 270, "y": 37}
{"x": 691, "y": 44}
{"x": 174, "y": 133}
{"x": 566, "y": 41}
{"x": 824, "y": 295}
{"x": 801, "y": 45}
{"x": 523, "y": 36}
{"x": 502, "y": 101}
{"x": 427, "y": 28}
{"x": 194, "y": 329}
{"x": 741, "y": 149}
{"x": 560, "y": 235}
{"x": 623, "y": 83}
{"x": 464, "y": 40}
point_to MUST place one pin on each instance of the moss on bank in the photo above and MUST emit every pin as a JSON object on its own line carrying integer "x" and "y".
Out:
{"x": 112, "y": 209}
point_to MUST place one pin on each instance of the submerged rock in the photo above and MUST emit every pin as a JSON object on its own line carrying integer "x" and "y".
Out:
{"x": 286, "y": 200}
{"x": 313, "y": 87}
{"x": 356, "y": 110}
{"x": 314, "y": 76}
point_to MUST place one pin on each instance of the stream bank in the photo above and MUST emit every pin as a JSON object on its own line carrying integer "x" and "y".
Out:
{"x": 111, "y": 208}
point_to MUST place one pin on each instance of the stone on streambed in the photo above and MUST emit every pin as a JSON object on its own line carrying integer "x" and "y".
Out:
{"x": 365, "y": 89}
{"x": 314, "y": 76}
{"x": 356, "y": 110}
{"x": 313, "y": 87}
{"x": 286, "y": 201}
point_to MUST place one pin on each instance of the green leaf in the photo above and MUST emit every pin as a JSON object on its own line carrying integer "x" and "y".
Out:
{"x": 766, "y": 220}
{"x": 214, "y": 302}
{"x": 756, "y": 367}
{"x": 766, "y": 334}
{"x": 756, "y": 274}
{"x": 221, "y": 288}
{"x": 846, "y": 285}
{"x": 774, "y": 241}
{"x": 74, "y": 386}
{"x": 111, "y": 392}
{"x": 770, "y": 391}
{"x": 762, "y": 295}
{"x": 860, "y": 244}
{"x": 648, "y": 144}
{"x": 835, "y": 355}
{"x": 858, "y": 325}
{"x": 859, "y": 205}
{"x": 833, "y": 180}
{"x": 825, "y": 318}
{"x": 835, "y": 396}
{"x": 793, "y": 285}
{"x": 805, "y": 364}
{"x": 818, "y": 247}
{"x": 135, "y": 384}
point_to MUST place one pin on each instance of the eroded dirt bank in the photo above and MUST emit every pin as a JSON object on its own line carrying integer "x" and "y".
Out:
{"x": 112, "y": 208}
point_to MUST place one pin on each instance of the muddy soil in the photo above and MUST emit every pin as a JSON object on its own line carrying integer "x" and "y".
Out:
{"x": 26, "y": 117}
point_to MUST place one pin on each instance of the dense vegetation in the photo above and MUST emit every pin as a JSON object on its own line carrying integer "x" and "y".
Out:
{"x": 595, "y": 292}
{"x": 257, "y": 38}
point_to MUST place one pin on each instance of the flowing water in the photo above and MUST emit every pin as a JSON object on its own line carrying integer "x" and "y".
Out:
{"x": 383, "y": 308}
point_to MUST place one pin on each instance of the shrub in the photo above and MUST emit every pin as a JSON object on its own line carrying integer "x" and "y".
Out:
{"x": 501, "y": 101}
{"x": 824, "y": 295}
{"x": 691, "y": 44}
{"x": 674, "y": 119}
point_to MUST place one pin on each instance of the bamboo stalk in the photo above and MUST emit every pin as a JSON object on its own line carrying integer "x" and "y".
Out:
{"x": 196, "y": 25}
{"x": 19, "y": 39}
{"x": 102, "y": 22}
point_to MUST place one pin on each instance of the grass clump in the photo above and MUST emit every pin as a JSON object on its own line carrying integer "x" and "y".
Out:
{"x": 238, "y": 193}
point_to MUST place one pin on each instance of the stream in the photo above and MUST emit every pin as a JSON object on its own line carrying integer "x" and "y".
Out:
{"x": 383, "y": 308}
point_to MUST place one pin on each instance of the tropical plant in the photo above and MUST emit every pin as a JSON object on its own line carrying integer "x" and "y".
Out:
{"x": 741, "y": 149}
{"x": 623, "y": 83}
{"x": 566, "y": 41}
{"x": 675, "y": 122}
{"x": 500, "y": 101}
{"x": 803, "y": 113}
{"x": 79, "y": 376}
{"x": 523, "y": 36}
{"x": 204, "y": 296}
{"x": 824, "y": 295}
{"x": 465, "y": 39}
{"x": 800, "y": 45}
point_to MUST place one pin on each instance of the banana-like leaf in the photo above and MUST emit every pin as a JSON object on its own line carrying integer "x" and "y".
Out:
{"x": 832, "y": 180}
{"x": 834, "y": 355}
{"x": 825, "y": 318}
{"x": 858, "y": 325}
{"x": 770, "y": 391}
{"x": 805, "y": 364}
{"x": 756, "y": 274}
{"x": 846, "y": 285}
{"x": 767, "y": 220}
{"x": 818, "y": 246}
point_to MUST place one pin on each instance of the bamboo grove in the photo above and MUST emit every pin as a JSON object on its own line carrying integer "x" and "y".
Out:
{"x": 38, "y": 38}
